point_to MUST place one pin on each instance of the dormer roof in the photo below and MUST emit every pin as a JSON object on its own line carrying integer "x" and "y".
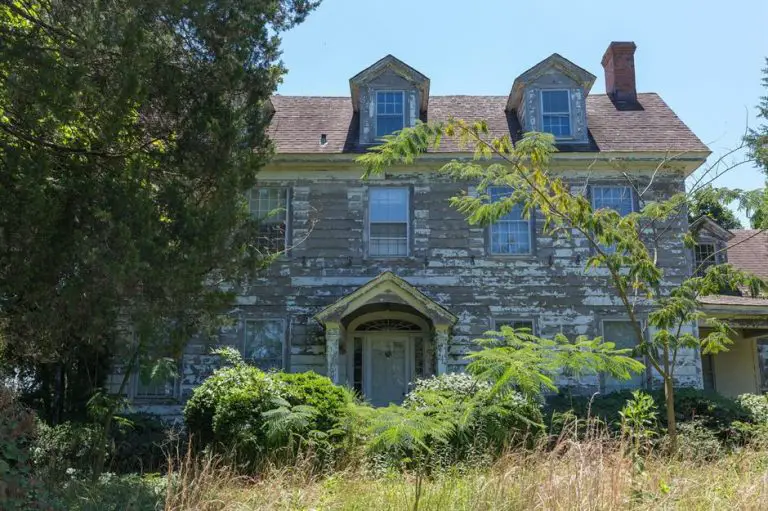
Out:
{"x": 707, "y": 224}
{"x": 397, "y": 66}
{"x": 557, "y": 62}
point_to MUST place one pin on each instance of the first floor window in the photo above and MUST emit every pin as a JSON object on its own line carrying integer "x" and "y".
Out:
{"x": 388, "y": 219}
{"x": 623, "y": 335}
{"x": 154, "y": 386}
{"x": 703, "y": 257}
{"x": 515, "y": 324}
{"x": 263, "y": 344}
{"x": 510, "y": 234}
{"x": 270, "y": 207}
{"x": 556, "y": 113}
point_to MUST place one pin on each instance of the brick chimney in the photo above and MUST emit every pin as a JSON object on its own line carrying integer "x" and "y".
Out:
{"x": 619, "y": 65}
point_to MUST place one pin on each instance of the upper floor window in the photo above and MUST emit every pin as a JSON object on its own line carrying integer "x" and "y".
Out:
{"x": 617, "y": 198}
{"x": 270, "y": 207}
{"x": 390, "y": 112}
{"x": 263, "y": 344}
{"x": 703, "y": 257}
{"x": 510, "y": 234}
{"x": 388, "y": 219}
{"x": 556, "y": 112}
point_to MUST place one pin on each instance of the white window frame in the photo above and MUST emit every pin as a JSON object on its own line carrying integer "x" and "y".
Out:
{"x": 171, "y": 385}
{"x": 376, "y": 113}
{"x": 569, "y": 112}
{"x": 407, "y": 222}
{"x": 283, "y": 344}
{"x": 529, "y": 230}
{"x": 497, "y": 322}
{"x": 286, "y": 196}
{"x": 642, "y": 358}
{"x": 629, "y": 188}
{"x": 711, "y": 260}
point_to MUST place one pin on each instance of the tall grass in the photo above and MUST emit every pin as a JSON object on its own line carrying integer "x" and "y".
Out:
{"x": 583, "y": 468}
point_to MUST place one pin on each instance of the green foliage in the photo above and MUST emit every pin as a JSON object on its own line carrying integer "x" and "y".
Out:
{"x": 756, "y": 405}
{"x": 698, "y": 442}
{"x": 638, "y": 418}
{"x": 112, "y": 492}
{"x": 129, "y": 133}
{"x": 713, "y": 202}
{"x": 518, "y": 360}
{"x": 136, "y": 443}
{"x": 19, "y": 489}
{"x": 257, "y": 414}
{"x": 757, "y": 138}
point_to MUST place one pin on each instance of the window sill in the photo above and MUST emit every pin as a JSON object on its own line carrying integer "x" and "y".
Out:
{"x": 530, "y": 256}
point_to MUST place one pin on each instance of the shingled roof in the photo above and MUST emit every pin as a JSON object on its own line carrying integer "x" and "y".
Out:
{"x": 749, "y": 251}
{"x": 299, "y": 121}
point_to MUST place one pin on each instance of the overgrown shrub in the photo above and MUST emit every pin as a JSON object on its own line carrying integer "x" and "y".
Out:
{"x": 19, "y": 488}
{"x": 696, "y": 441}
{"x": 478, "y": 422}
{"x": 243, "y": 409}
{"x": 756, "y": 405}
{"x": 136, "y": 444}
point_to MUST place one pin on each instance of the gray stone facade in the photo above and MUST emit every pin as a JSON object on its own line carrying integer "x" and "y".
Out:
{"x": 448, "y": 261}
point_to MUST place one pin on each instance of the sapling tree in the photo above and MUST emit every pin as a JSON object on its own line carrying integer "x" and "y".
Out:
{"x": 625, "y": 249}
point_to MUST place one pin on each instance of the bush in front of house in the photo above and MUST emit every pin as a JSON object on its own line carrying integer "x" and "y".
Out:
{"x": 482, "y": 423}
{"x": 251, "y": 414}
{"x": 728, "y": 419}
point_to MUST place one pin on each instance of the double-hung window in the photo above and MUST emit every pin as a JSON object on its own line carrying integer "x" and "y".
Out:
{"x": 623, "y": 335}
{"x": 263, "y": 343}
{"x": 510, "y": 234}
{"x": 270, "y": 207}
{"x": 617, "y": 198}
{"x": 154, "y": 386}
{"x": 703, "y": 257}
{"x": 390, "y": 112}
{"x": 388, "y": 219}
{"x": 556, "y": 113}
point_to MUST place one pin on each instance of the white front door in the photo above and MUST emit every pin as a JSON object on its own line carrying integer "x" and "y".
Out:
{"x": 388, "y": 366}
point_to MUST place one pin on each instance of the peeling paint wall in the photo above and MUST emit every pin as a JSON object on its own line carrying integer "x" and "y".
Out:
{"x": 449, "y": 262}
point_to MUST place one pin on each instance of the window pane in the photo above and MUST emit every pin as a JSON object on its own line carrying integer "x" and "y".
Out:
{"x": 389, "y": 112}
{"x": 558, "y": 125}
{"x": 554, "y": 101}
{"x": 704, "y": 257}
{"x": 623, "y": 335}
{"x": 388, "y": 247}
{"x": 389, "y": 231}
{"x": 389, "y": 204}
{"x": 264, "y": 343}
{"x": 498, "y": 193}
{"x": 515, "y": 323}
{"x": 510, "y": 237}
{"x": 268, "y": 204}
{"x": 617, "y": 198}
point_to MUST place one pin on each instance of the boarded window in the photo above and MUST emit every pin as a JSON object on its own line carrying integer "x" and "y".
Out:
{"x": 388, "y": 222}
{"x": 556, "y": 112}
{"x": 270, "y": 207}
{"x": 390, "y": 112}
{"x": 263, "y": 345}
{"x": 510, "y": 234}
{"x": 622, "y": 333}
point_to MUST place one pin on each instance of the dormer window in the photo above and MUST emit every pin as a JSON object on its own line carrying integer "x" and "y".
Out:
{"x": 390, "y": 112}
{"x": 556, "y": 113}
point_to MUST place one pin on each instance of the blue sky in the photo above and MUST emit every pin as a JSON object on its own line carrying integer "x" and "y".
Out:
{"x": 703, "y": 57}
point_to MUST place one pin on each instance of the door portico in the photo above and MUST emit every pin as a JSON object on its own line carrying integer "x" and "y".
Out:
{"x": 383, "y": 335}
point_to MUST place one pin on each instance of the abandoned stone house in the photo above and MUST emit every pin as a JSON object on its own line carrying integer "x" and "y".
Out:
{"x": 383, "y": 282}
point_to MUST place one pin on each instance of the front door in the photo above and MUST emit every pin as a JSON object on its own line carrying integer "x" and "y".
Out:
{"x": 388, "y": 367}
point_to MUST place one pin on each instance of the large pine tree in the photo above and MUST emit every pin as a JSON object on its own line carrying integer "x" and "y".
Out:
{"x": 129, "y": 132}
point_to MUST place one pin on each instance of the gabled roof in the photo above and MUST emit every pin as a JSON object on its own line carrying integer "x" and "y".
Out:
{"x": 386, "y": 288}
{"x": 706, "y": 223}
{"x": 397, "y": 66}
{"x": 300, "y": 120}
{"x": 557, "y": 62}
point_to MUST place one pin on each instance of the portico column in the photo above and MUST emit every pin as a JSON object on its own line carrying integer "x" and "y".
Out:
{"x": 332, "y": 339}
{"x": 442, "y": 334}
